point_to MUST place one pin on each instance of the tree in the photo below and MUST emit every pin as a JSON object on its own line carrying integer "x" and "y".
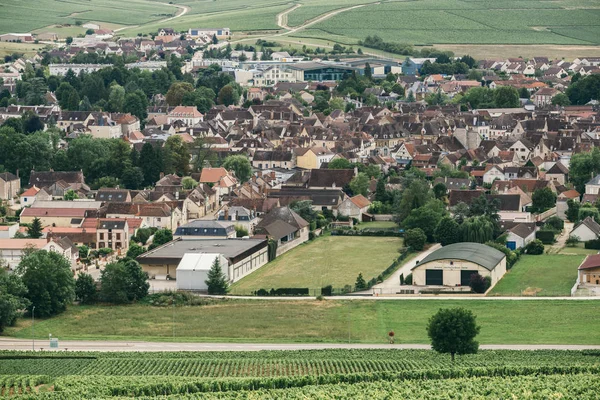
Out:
{"x": 415, "y": 195}
{"x": 228, "y": 95}
{"x": 123, "y": 282}
{"x": 506, "y": 97}
{"x": 453, "y": 331}
{"x": 340, "y": 163}
{"x": 368, "y": 72}
{"x": 49, "y": 281}
{"x": 440, "y": 190}
{"x": 116, "y": 98}
{"x": 136, "y": 103}
{"x": 240, "y": 165}
{"x": 34, "y": 230}
{"x": 134, "y": 251}
{"x": 584, "y": 89}
{"x": 535, "y": 247}
{"x": 162, "y": 236}
{"x": 189, "y": 183}
{"x": 447, "y": 231}
{"x": 381, "y": 193}
{"x": 478, "y": 283}
{"x": 85, "y": 289}
{"x": 360, "y": 184}
{"x": 478, "y": 229}
{"x": 360, "y": 283}
{"x": 415, "y": 239}
{"x": 177, "y": 91}
{"x": 573, "y": 241}
{"x": 240, "y": 231}
{"x": 217, "y": 281}
{"x": 426, "y": 218}
{"x": 69, "y": 40}
{"x": 176, "y": 156}
{"x": 13, "y": 298}
{"x": 304, "y": 209}
{"x": 542, "y": 200}
{"x": 70, "y": 195}
{"x": 150, "y": 163}
{"x": 561, "y": 99}
{"x": 582, "y": 167}
{"x": 132, "y": 177}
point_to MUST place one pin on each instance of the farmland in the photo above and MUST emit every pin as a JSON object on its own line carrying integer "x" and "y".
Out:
{"x": 311, "y": 321}
{"x": 330, "y": 260}
{"x": 300, "y": 374}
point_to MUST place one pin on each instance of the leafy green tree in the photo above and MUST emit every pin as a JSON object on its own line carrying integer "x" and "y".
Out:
{"x": 162, "y": 236}
{"x": 582, "y": 167}
{"x": 49, "y": 281}
{"x": 440, "y": 191}
{"x": 304, "y": 209}
{"x": 85, "y": 289}
{"x": 368, "y": 72}
{"x": 240, "y": 231}
{"x": 84, "y": 251}
{"x": 228, "y": 95}
{"x": 561, "y": 99}
{"x": 176, "y": 156}
{"x": 337, "y": 103}
{"x": 13, "y": 298}
{"x": 478, "y": 283}
{"x": 189, "y": 183}
{"x": 360, "y": 283}
{"x": 478, "y": 229}
{"x": 506, "y": 97}
{"x": 415, "y": 239}
{"x": 572, "y": 212}
{"x": 426, "y": 218}
{"x": 123, "y": 282}
{"x": 116, "y": 98}
{"x": 150, "y": 163}
{"x": 584, "y": 89}
{"x": 535, "y": 247}
{"x": 240, "y": 165}
{"x": 217, "y": 281}
{"x": 543, "y": 199}
{"x": 135, "y": 250}
{"x": 132, "y": 177}
{"x": 447, "y": 231}
{"x": 70, "y": 195}
{"x": 34, "y": 230}
{"x": 415, "y": 195}
{"x": 177, "y": 91}
{"x": 360, "y": 184}
{"x": 381, "y": 193}
{"x": 452, "y": 331}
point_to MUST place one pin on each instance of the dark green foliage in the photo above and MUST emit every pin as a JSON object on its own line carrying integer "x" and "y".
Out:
{"x": 478, "y": 283}
{"x": 584, "y": 90}
{"x": 240, "y": 165}
{"x": 34, "y": 231}
{"x": 535, "y": 247}
{"x": 135, "y": 250}
{"x": 240, "y": 231}
{"x": 573, "y": 210}
{"x": 584, "y": 166}
{"x": 415, "y": 239}
{"x": 447, "y": 231}
{"x": 162, "y": 236}
{"x": 543, "y": 199}
{"x": 340, "y": 163}
{"x": 85, "y": 289}
{"x": 217, "y": 281}
{"x": 12, "y": 298}
{"x": 453, "y": 331}
{"x": 440, "y": 191}
{"x": 511, "y": 256}
{"x": 592, "y": 244}
{"x": 426, "y": 218}
{"x": 123, "y": 282}
{"x": 545, "y": 236}
{"x": 272, "y": 249}
{"x": 304, "y": 209}
{"x": 555, "y": 223}
{"x": 360, "y": 283}
{"x": 477, "y": 229}
{"x": 587, "y": 210}
{"x": 49, "y": 281}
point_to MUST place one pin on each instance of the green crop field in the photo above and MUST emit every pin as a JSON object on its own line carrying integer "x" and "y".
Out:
{"x": 317, "y": 374}
{"x": 360, "y": 321}
{"x": 543, "y": 275}
{"x": 330, "y": 260}
{"x": 25, "y": 16}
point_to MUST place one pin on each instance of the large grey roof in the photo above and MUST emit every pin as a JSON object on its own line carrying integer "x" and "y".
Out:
{"x": 477, "y": 253}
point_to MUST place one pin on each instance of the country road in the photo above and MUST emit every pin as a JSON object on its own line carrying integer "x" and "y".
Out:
{"x": 182, "y": 11}
{"x": 108, "y": 346}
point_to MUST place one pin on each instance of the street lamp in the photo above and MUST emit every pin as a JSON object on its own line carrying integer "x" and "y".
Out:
{"x": 33, "y": 328}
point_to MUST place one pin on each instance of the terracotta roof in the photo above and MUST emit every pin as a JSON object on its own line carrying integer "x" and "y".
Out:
{"x": 212, "y": 175}
{"x": 570, "y": 194}
{"x": 360, "y": 201}
{"x": 20, "y": 244}
{"x": 54, "y": 212}
{"x": 591, "y": 261}
{"x": 32, "y": 191}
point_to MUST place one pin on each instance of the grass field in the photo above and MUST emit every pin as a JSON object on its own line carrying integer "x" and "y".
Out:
{"x": 578, "y": 250}
{"x": 329, "y": 260}
{"x": 27, "y": 49}
{"x": 378, "y": 225}
{"x": 361, "y": 321}
{"x": 543, "y": 275}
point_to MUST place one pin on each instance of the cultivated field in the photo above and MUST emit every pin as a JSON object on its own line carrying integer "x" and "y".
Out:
{"x": 306, "y": 321}
{"x": 330, "y": 260}
{"x": 543, "y": 275}
{"x": 325, "y": 374}
{"x": 26, "y": 16}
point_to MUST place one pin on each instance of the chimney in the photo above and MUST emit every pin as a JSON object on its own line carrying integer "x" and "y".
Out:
{"x": 273, "y": 175}
{"x": 177, "y": 195}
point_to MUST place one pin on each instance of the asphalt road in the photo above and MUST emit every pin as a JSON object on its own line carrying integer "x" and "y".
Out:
{"x": 107, "y": 346}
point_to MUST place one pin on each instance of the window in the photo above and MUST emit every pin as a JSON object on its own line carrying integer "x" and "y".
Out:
{"x": 102, "y": 236}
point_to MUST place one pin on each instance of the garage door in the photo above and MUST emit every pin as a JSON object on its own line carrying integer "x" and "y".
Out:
{"x": 511, "y": 245}
{"x": 465, "y": 277}
{"x": 434, "y": 277}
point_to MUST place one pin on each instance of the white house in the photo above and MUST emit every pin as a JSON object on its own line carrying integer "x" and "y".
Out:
{"x": 593, "y": 186}
{"x": 520, "y": 235}
{"x": 492, "y": 174}
{"x": 586, "y": 230}
{"x": 354, "y": 207}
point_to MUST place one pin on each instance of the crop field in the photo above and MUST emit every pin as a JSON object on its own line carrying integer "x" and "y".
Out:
{"x": 313, "y": 374}
{"x": 25, "y": 16}
{"x": 312, "y": 321}
{"x": 331, "y": 260}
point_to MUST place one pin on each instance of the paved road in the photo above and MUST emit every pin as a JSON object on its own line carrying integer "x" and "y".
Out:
{"x": 70, "y": 345}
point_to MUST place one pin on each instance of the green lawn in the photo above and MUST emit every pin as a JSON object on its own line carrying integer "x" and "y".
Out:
{"x": 543, "y": 275}
{"x": 329, "y": 260}
{"x": 378, "y": 225}
{"x": 364, "y": 321}
{"x": 579, "y": 250}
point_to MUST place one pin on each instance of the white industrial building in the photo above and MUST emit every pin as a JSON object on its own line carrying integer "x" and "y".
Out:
{"x": 192, "y": 271}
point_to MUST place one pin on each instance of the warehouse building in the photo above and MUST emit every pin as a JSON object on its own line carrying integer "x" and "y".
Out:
{"x": 454, "y": 264}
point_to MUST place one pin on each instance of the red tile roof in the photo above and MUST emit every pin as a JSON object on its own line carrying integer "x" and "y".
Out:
{"x": 591, "y": 261}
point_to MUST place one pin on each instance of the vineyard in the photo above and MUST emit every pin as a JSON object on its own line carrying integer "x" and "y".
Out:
{"x": 296, "y": 374}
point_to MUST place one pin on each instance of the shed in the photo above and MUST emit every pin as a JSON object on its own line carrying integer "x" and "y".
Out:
{"x": 192, "y": 271}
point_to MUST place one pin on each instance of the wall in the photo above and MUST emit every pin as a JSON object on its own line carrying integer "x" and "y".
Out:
{"x": 589, "y": 276}
{"x": 452, "y": 272}
{"x": 281, "y": 249}
{"x": 248, "y": 265}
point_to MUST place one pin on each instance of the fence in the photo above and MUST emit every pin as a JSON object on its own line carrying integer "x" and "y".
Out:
{"x": 545, "y": 215}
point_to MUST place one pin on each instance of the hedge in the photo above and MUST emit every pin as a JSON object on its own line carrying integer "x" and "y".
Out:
{"x": 592, "y": 244}
{"x": 380, "y": 233}
{"x": 283, "y": 292}
{"x": 547, "y": 237}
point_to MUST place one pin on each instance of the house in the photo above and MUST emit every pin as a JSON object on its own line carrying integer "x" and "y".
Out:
{"x": 187, "y": 114}
{"x": 29, "y": 196}
{"x": 354, "y": 207}
{"x": 12, "y": 250}
{"x": 205, "y": 229}
{"x": 8, "y": 231}
{"x": 285, "y": 226}
{"x": 589, "y": 270}
{"x": 112, "y": 233}
{"x": 562, "y": 202}
{"x": 520, "y": 235}
{"x": 330, "y": 179}
{"x": 558, "y": 172}
{"x": 244, "y": 256}
{"x": 586, "y": 230}
{"x": 10, "y": 186}
{"x": 593, "y": 186}
{"x": 221, "y": 180}
{"x": 238, "y": 216}
{"x": 313, "y": 157}
{"x": 493, "y": 173}
{"x": 454, "y": 264}
{"x": 109, "y": 194}
{"x": 192, "y": 270}
{"x": 44, "y": 179}
{"x": 544, "y": 96}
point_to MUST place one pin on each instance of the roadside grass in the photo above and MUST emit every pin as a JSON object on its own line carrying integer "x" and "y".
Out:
{"x": 543, "y": 275}
{"x": 577, "y": 250}
{"x": 328, "y": 260}
{"x": 311, "y": 321}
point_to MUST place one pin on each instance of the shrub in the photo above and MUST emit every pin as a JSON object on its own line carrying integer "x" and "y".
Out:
{"x": 511, "y": 256}
{"x": 85, "y": 289}
{"x": 478, "y": 283}
{"x": 327, "y": 290}
{"x": 415, "y": 239}
{"x": 408, "y": 279}
{"x": 592, "y": 244}
{"x": 555, "y": 223}
{"x": 545, "y": 236}
{"x": 572, "y": 241}
{"x": 535, "y": 247}
{"x": 360, "y": 282}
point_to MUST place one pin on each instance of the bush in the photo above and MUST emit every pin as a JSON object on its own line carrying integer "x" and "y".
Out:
{"x": 535, "y": 247}
{"x": 327, "y": 290}
{"x": 572, "y": 241}
{"x": 545, "y": 236}
{"x": 415, "y": 239}
{"x": 283, "y": 292}
{"x": 478, "y": 283}
{"x": 408, "y": 279}
{"x": 511, "y": 256}
{"x": 311, "y": 235}
{"x": 555, "y": 223}
{"x": 313, "y": 225}
{"x": 360, "y": 284}
{"x": 592, "y": 244}
{"x": 240, "y": 231}
{"x": 85, "y": 289}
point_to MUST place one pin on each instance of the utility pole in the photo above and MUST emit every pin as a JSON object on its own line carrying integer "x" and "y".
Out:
{"x": 33, "y": 328}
